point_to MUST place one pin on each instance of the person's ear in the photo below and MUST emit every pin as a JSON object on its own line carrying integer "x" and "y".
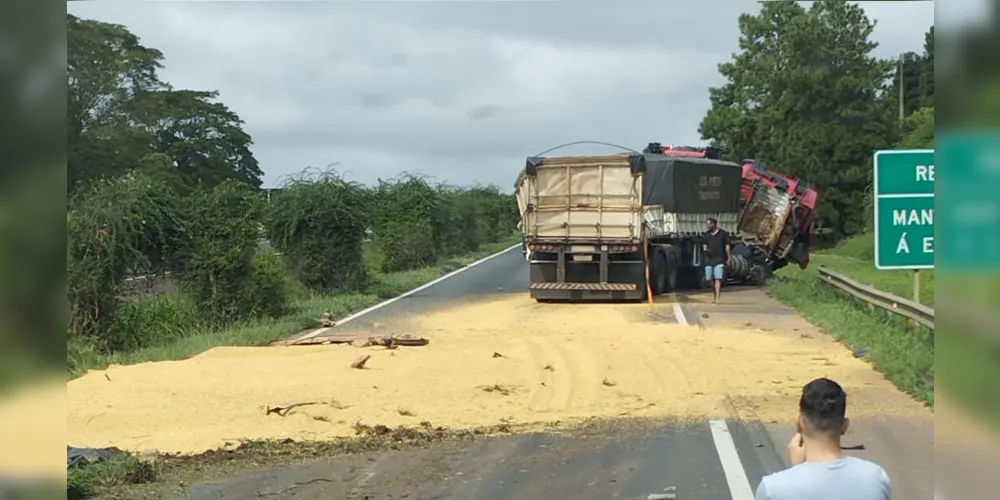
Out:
{"x": 847, "y": 423}
{"x": 798, "y": 424}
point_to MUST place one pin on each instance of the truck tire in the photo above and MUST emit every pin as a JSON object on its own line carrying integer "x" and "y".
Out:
{"x": 759, "y": 274}
{"x": 659, "y": 273}
{"x": 671, "y": 281}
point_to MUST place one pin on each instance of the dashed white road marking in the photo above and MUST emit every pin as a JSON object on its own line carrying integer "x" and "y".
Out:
{"x": 321, "y": 331}
{"x": 732, "y": 467}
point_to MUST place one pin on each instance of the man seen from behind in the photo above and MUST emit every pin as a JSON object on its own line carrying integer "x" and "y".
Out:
{"x": 819, "y": 469}
{"x": 717, "y": 248}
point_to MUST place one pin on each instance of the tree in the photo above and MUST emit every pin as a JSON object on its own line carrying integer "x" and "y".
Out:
{"x": 918, "y": 78}
{"x": 106, "y": 68}
{"x": 927, "y": 70}
{"x": 205, "y": 138}
{"x": 119, "y": 112}
{"x": 804, "y": 95}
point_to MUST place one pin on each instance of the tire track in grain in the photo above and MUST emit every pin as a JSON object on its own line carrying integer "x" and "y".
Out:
{"x": 580, "y": 356}
{"x": 541, "y": 396}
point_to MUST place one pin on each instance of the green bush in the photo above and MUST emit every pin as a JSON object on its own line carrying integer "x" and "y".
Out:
{"x": 269, "y": 286}
{"x": 218, "y": 261}
{"x": 151, "y": 321}
{"x": 496, "y": 213}
{"x": 318, "y": 223}
{"x": 457, "y": 214}
{"x": 409, "y": 223}
{"x": 116, "y": 225}
{"x": 83, "y": 481}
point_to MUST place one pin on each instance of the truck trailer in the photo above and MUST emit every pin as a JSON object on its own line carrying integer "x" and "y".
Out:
{"x": 621, "y": 226}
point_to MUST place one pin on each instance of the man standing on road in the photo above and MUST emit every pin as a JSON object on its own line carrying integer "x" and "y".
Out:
{"x": 717, "y": 248}
{"x": 820, "y": 470}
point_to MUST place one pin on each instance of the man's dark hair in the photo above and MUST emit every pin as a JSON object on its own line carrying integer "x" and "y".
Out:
{"x": 712, "y": 220}
{"x": 823, "y": 406}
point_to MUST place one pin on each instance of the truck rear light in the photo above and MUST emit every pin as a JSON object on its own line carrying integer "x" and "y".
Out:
{"x": 622, "y": 248}
{"x": 541, "y": 247}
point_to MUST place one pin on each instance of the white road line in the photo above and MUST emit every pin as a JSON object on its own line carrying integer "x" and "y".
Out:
{"x": 321, "y": 331}
{"x": 679, "y": 313}
{"x": 736, "y": 477}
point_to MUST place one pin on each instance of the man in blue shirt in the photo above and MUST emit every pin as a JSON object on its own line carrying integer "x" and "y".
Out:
{"x": 820, "y": 470}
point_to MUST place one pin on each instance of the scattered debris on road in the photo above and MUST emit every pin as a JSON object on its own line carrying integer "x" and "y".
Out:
{"x": 327, "y": 320}
{"x": 360, "y": 362}
{"x": 608, "y": 383}
{"x": 393, "y": 341}
{"x": 283, "y": 410}
{"x": 86, "y": 456}
{"x": 497, "y": 388}
{"x": 860, "y": 353}
{"x": 549, "y": 368}
{"x": 497, "y": 355}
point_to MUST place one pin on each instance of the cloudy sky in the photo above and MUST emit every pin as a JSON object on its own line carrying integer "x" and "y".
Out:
{"x": 460, "y": 91}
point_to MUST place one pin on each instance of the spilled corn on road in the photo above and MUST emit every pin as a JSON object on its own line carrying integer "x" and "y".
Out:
{"x": 688, "y": 397}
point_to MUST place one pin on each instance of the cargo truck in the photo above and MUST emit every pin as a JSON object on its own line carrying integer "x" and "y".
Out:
{"x": 621, "y": 226}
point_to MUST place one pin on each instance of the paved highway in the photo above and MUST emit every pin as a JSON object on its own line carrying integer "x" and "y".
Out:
{"x": 674, "y": 460}
{"x": 622, "y": 459}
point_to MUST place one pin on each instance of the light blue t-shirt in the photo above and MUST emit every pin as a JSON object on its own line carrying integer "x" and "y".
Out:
{"x": 848, "y": 478}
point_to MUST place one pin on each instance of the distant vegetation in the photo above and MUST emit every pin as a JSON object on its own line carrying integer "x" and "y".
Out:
{"x": 163, "y": 180}
{"x": 807, "y": 96}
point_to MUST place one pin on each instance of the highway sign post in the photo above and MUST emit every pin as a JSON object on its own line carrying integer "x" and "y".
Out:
{"x": 904, "y": 211}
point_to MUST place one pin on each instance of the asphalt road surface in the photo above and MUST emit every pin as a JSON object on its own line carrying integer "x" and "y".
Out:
{"x": 708, "y": 460}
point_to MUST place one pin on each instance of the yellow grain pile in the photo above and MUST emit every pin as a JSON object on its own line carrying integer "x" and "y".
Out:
{"x": 555, "y": 363}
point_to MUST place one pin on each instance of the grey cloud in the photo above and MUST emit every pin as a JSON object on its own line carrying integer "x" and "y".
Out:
{"x": 391, "y": 61}
{"x": 483, "y": 112}
{"x": 376, "y": 100}
{"x": 461, "y": 91}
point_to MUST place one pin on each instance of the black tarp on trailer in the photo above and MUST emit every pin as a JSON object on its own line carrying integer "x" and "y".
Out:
{"x": 691, "y": 184}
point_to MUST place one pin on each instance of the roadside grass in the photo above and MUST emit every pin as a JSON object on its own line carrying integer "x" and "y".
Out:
{"x": 182, "y": 335}
{"x": 855, "y": 258}
{"x": 85, "y": 481}
{"x": 905, "y": 357}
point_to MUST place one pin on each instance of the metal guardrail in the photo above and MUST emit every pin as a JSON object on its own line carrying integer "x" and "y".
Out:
{"x": 908, "y": 309}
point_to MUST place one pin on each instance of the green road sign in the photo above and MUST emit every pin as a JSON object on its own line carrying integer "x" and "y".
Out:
{"x": 904, "y": 209}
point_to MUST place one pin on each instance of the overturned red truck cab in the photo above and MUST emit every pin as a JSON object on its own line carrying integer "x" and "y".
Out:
{"x": 778, "y": 213}
{"x": 775, "y": 225}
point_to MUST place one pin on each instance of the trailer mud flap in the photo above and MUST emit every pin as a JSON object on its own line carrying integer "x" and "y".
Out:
{"x": 601, "y": 287}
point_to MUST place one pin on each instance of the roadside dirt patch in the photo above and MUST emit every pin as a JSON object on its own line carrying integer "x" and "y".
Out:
{"x": 555, "y": 363}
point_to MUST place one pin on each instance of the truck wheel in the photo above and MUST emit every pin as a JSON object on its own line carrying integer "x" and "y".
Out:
{"x": 658, "y": 274}
{"x": 671, "y": 281}
{"x": 758, "y": 274}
